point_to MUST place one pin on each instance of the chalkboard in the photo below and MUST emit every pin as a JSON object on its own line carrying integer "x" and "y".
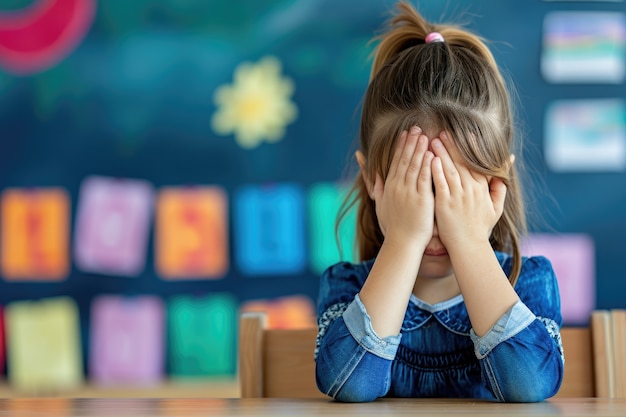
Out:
{"x": 135, "y": 98}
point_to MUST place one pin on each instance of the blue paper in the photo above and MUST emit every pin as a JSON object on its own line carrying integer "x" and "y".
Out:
{"x": 269, "y": 229}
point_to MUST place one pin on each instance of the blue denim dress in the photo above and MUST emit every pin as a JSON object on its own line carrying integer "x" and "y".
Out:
{"x": 437, "y": 354}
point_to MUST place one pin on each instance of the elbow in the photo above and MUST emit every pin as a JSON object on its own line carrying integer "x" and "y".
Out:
{"x": 528, "y": 394}
{"x": 534, "y": 386}
{"x": 355, "y": 397}
{"x": 351, "y": 391}
{"x": 365, "y": 383}
{"x": 534, "y": 390}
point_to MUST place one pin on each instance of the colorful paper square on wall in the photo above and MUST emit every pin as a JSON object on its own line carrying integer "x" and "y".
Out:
{"x": 43, "y": 345}
{"x": 325, "y": 200}
{"x": 35, "y": 234}
{"x": 127, "y": 340}
{"x": 192, "y": 233}
{"x": 573, "y": 260}
{"x": 113, "y": 225}
{"x": 291, "y": 312}
{"x": 584, "y": 47}
{"x": 269, "y": 229}
{"x": 586, "y": 135}
{"x": 202, "y": 335}
{"x": 2, "y": 340}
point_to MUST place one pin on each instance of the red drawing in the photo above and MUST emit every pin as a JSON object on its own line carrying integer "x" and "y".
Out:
{"x": 37, "y": 37}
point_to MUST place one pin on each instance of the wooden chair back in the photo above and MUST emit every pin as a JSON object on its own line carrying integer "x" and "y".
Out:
{"x": 275, "y": 363}
{"x": 578, "y": 378}
{"x": 279, "y": 363}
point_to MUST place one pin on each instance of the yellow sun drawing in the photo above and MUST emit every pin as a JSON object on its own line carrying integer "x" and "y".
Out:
{"x": 257, "y": 105}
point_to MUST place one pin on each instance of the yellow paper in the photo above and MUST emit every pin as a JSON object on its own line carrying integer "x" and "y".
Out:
{"x": 43, "y": 345}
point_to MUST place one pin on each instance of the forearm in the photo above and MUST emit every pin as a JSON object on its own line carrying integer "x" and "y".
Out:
{"x": 388, "y": 287}
{"x": 485, "y": 288}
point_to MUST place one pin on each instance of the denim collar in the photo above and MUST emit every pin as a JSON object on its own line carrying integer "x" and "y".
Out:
{"x": 433, "y": 308}
{"x": 451, "y": 313}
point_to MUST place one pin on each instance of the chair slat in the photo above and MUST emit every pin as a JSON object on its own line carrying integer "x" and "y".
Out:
{"x": 251, "y": 328}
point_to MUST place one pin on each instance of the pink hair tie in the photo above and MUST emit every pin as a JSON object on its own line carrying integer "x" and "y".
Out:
{"x": 434, "y": 37}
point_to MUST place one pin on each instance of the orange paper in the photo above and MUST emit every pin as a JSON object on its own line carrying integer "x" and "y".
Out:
{"x": 192, "y": 233}
{"x": 291, "y": 312}
{"x": 34, "y": 234}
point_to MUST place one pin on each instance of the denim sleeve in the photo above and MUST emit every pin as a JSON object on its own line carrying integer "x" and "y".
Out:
{"x": 521, "y": 356}
{"x": 353, "y": 364}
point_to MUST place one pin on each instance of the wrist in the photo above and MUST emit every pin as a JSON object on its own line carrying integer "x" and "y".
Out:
{"x": 468, "y": 246}
{"x": 406, "y": 243}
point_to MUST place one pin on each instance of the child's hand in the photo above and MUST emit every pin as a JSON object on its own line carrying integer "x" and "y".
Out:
{"x": 405, "y": 204}
{"x": 467, "y": 204}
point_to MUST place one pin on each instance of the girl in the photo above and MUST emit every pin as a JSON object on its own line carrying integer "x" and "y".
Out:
{"x": 442, "y": 304}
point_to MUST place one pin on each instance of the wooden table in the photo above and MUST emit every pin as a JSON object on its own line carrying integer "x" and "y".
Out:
{"x": 185, "y": 407}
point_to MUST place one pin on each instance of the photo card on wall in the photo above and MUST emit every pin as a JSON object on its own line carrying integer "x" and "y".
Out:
{"x": 584, "y": 47}
{"x": 586, "y": 135}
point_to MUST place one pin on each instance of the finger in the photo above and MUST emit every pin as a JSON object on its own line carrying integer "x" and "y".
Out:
{"x": 497, "y": 191}
{"x": 439, "y": 178}
{"x": 450, "y": 170}
{"x": 393, "y": 169}
{"x": 459, "y": 161}
{"x": 414, "y": 168}
{"x": 425, "y": 179}
{"x": 451, "y": 147}
{"x": 407, "y": 153}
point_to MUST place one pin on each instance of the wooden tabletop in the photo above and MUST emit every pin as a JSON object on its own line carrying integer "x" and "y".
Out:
{"x": 186, "y": 407}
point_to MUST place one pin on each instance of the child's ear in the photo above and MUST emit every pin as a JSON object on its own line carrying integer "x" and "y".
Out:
{"x": 360, "y": 158}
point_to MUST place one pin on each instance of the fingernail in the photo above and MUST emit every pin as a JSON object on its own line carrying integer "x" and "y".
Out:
{"x": 415, "y": 130}
{"x": 436, "y": 143}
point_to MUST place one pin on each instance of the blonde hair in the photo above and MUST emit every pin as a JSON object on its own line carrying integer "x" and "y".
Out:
{"x": 454, "y": 86}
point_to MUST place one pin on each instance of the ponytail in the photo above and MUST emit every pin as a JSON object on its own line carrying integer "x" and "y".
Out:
{"x": 409, "y": 28}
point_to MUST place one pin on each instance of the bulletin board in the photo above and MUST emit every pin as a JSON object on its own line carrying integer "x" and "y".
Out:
{"x": 139, "y": 95}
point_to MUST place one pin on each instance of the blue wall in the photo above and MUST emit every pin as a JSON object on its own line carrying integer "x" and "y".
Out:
{"x": 135, "y": 99}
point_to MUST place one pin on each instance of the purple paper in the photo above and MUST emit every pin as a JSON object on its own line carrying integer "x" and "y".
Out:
{"x": 573, "y": 260}
{"x": 127, "y": 340}
{"x": 112, "y": 225}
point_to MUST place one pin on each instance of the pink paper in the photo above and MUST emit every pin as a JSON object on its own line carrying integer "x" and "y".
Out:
{"x": 573, "y": 260}
{"x": 112, "y": 225}
{"x": 127, "y": 340}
